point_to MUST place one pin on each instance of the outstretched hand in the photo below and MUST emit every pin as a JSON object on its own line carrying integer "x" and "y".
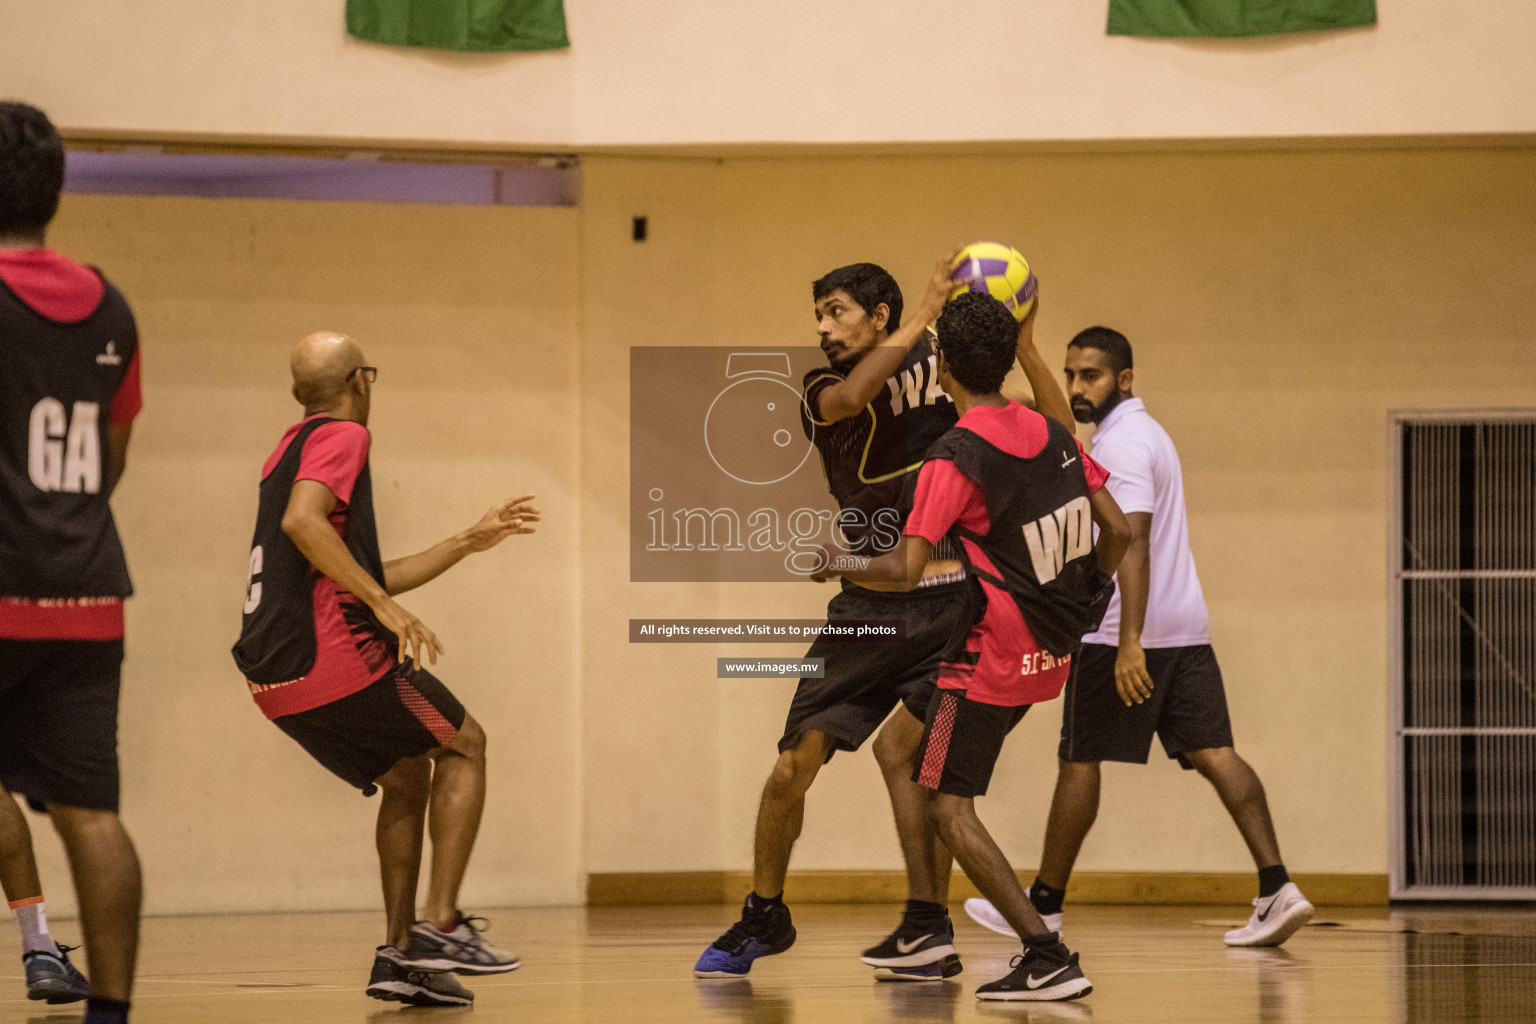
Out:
{"x": 509, "y": 518}
{"x": 940, "y": 284}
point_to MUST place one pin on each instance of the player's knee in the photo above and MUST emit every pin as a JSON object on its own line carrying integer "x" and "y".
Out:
{"x": 82, "y": 823}
{"x": 1077, "y": 772}
{"x": 407, "y": 777}
{"x": 471, "y": 741}
{"x": 945, "y": 813}
{"x": 794, "y": 771}
{"x": 1213, "y": 761}
{"x": 892, "y": 752}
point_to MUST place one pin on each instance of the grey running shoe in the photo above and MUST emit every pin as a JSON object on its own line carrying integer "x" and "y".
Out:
{"x": 54, "y": 978}
{"x": 461, "y": 950}
{"x": 396, "y": 981}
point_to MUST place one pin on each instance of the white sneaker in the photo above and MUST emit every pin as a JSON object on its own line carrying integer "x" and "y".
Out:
{"x": 985, "y": 914}
{"x": 1275, "y": 919}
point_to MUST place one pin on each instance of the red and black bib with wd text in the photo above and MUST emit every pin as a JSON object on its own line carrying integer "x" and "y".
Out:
{"x": 57, "y": 384}
{"x": 277, "y": 633}
{"x": 1040, "y": 536}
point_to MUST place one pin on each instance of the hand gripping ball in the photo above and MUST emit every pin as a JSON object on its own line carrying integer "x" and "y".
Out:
{"x": 998, "y": 270}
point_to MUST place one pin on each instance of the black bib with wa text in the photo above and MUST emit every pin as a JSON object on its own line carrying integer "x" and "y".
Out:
{"x": 871, "y": 459}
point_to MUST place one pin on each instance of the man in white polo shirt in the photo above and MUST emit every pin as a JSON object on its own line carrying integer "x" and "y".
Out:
{"x": 1149, "y": 667}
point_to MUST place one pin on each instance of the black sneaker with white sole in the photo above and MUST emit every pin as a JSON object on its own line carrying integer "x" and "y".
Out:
{"x": 914, "y": 945}
{"x": 1045, "y": 971}
{"x": 395, "y": 981}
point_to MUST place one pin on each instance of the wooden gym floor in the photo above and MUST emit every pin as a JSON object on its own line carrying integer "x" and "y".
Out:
{"x": 1148, "y": 965}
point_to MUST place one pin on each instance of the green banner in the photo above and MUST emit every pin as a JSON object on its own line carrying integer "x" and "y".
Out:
{"x": 478, "y": 25}
{"x": 1235, "y": 17}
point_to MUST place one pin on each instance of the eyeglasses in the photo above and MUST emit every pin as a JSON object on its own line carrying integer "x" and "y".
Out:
{"x": 370, "y": 373}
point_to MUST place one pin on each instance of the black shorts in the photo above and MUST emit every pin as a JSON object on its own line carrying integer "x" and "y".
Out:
{"x": 961, "y": 741}
{"x": 865, "y": 680}
{"x": 406, "y": 713}
{"x": 58, "y": 721}
{"x": 1187, "y": 709}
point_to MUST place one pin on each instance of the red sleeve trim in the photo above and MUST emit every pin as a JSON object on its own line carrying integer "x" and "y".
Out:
{"x": 943, "y": 493}
{"x": 334, "y": 455}
{"x": 129, "y": 399}
{"x": 1097, "y": 475}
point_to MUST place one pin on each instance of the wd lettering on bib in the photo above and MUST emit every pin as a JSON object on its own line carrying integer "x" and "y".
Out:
{"x": 1039, "y": 535}
{"x": 1060, "y": 537}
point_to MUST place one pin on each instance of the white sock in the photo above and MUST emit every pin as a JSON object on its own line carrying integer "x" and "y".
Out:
{"x": 34, "y": 926}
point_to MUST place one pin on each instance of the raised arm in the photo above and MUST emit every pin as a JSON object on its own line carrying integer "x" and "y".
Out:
{"x": 1050, "y": 400}
{"x": 306, "y": 522}
{"x": 850, "y": 396}
{"x": 512, "y": 517}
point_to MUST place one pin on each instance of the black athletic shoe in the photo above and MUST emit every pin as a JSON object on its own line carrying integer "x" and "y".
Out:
{"x": 762, "y": 931}
{"x": 939, "y": 970}
{"x": 1041, "y": 973}
{"x": 398, "y": 982}
{"x": 913, "y": 945}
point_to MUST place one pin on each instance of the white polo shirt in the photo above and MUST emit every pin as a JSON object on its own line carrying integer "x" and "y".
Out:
{"x": 1144, "y": 476}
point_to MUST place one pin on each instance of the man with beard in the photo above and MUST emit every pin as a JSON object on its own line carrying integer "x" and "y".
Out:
{"x": 872, "y": 414}
{"x": 1149, "y": 667}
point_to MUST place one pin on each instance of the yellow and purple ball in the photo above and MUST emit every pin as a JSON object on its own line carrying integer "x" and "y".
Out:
{"x": 997, "y": 270}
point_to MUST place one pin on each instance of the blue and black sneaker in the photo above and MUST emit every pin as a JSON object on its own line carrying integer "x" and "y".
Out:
{"x": 764, "y": 929}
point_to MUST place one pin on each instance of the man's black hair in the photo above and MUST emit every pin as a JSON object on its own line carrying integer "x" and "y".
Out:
{"x": 867, "y": 284}
{"x": 978, "y": 337}
{"x": 1117, "y": 351}
{"x": 31, "y": 169}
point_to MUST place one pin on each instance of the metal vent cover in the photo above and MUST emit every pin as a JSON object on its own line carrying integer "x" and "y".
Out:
{"x": 1462, "y": 559}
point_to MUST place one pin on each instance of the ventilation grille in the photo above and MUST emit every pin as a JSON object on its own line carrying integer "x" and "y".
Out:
{"x": 1465, "y": 602}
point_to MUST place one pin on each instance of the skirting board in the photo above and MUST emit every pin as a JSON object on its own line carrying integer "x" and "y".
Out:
{"x": 1177, "y": 888}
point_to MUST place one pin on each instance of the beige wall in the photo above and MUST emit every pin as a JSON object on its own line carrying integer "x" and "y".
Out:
{"x": 792, "y": 71}
{"x": 470, "y": 313}
{"x": 1281, "y": 304}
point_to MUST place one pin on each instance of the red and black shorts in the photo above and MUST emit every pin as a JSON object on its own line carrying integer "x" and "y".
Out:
{"x": 58, "y": 721}
{"x": 405, "y": 713}
{"x": 961, "y": 742}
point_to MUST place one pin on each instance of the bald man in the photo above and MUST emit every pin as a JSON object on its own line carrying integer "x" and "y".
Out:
{"x": 338, "y": 665}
